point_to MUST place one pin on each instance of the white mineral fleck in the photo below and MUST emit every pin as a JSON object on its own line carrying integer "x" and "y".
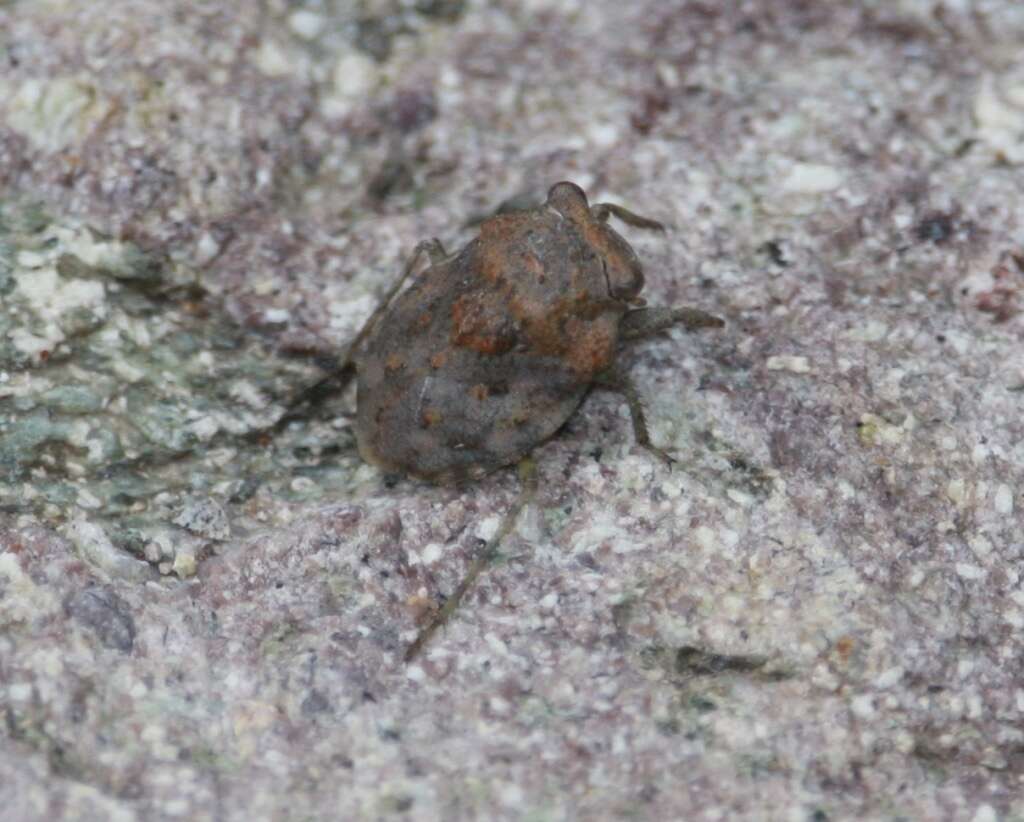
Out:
{"x": 54, "y": 113}
{"x": 798, "y": 365}
{"x": 811, "y": 178}
{"x": 488, "y": 527}
{"x": 999, "y": 114}
{"x": 95, "y": 547}
{"x": 985, "y": 813}
{"x": 277, "y": 315}
{"x": 1003, "y": 499}
{"x": 967, "y": 571}
{"x": 863, "y": 706}
{"x": 889, "y": 677}
{"x": 273, "y": 60}
{"x": 306, "y": 24}
{"x": 185, "y": 564}
{"x": 355, "y": 77}
{"x": 956, "y": 490}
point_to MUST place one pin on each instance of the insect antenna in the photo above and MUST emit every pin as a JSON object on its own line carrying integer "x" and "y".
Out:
{"x": 527, "y": 470}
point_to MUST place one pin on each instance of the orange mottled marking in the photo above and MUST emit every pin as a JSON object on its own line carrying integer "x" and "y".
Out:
{"x": 439, "y": 359}
{"x": 535, "y": 267}
{"x": 571, "y": 329}
{"x": 394, "y": 362}
{"x": 479, "y": 325}
{"x": 431, "y": 416}
{"x": 479, "y": 392}
{"x": 593, "y": 349}
{"x": 497, "y": 236}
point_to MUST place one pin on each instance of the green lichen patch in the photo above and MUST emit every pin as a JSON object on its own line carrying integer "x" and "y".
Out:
{"x": 127, "y": 401}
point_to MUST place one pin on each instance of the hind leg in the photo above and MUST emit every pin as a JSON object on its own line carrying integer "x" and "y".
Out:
{"x": 341, "y": 375}
{"x": 483, "y": 560}
{"x": 602, "y": 211}
{"x": 643, "y": 322}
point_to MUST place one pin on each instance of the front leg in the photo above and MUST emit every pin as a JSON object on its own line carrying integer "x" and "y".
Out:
{"x": 435, "y": 251}
{"x": 616, "y": 380}
{"x": 643, "y": 322}
{"x": 602, "y": 211}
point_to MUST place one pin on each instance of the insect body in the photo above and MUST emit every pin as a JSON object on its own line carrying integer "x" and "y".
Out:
{"x": 492, "y": 349}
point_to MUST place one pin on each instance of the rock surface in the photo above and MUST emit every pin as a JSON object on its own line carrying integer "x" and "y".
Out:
{"x": 817, "y": 615}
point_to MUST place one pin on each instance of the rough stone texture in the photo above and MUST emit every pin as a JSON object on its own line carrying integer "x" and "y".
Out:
{"x": 818, "y": 615}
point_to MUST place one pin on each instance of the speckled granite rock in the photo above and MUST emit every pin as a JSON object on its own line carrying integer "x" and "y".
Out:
{"x": 818, "y": 615}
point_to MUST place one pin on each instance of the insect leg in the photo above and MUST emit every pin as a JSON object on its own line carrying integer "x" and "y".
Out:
{"x": 483, "y": 559}
{"x": 620, "y": 382}
{"x": 601, "y": 212}
{"x": 338, "y": 378}
{"x": 435, "y": 251}
{"x": 643, "y": 322}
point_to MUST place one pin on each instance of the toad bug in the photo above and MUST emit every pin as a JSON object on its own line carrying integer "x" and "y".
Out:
{"x": 492, "y": 349}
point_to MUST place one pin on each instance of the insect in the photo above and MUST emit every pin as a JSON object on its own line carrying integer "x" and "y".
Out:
{"x": 488, "y": 353}
{"x": 490, "y": 350}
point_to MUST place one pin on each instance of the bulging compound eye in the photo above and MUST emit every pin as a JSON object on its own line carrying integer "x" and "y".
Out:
{"x": 569, "y": 200}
